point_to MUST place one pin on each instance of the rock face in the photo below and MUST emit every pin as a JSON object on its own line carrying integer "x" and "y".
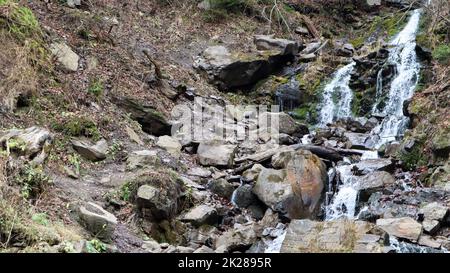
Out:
{"x": 334, "y": 236}
{"x": 31, "y": 142}
{"x": 97, "y": 220}
{"x": 268, "y": 42}
{"x": 201, "y": 215}
{"x": 67, "y": 59}
{"x": 152, "y": 121}
{"x": 405, "y": 227}
{"x": 159, "y": 194}
{"x": 230, "y": 71}
{"x": 216, "y": 154}
{"x": 296, "y": 190}
{"x": 170, "y": 144}
{"x": 93, "y": 152}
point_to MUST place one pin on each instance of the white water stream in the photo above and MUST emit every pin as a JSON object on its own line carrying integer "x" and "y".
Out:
{"x": 403, "y": 56}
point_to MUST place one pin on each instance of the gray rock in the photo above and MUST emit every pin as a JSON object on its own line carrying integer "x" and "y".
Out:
{"x": 232, "y": 70}
{"x": 140, "y": 159}
{"x": 242, "y": 236}
{"x": 199, "y": 172}
{"x": 306, "y": 58}
{"x": 283, "y": 124}
{"x": 67, "y": 59}
{"x": 93, "y": 152}
{"x": 243, "y": 196}
{"x": 434, "y": 211}
{"x": 333, "y": 236}
{"x": 170, "y": 144}
{"x": 267, "y": 42}
{"x": 358, "y": 141}
{"x": 373, "y": 182}
{"x": 32, "y": 142}
{"x": 370, "y": 165}
{"x": 97, "y": 220}
{"x": 216, "y": 154}
{"x": 251, "y": 175}
{"x": 201, "y": 215}
{"x": 311, "y": 48}
{"x": 405, "y": 227}
{"x": 221, "y": 187}
{"x": 302, "y": 31}
{"x": 204, "y": 249}
{"x": 73, "y": 3}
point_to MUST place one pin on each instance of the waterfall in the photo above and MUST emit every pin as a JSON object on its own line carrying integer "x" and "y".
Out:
{"x": 337, "y": 96}
{"x": 403, "y": 56}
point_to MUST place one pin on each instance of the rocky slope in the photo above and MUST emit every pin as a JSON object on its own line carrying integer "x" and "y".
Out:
{"x": 91, "y": 94}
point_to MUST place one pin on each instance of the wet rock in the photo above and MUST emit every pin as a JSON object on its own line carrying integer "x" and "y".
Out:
{"x": 140, "y": 159}
{"x": 170, "y": 144}
{"x": 221, "y": 187}
{"x": 344, "y": 49}
{"x": 243, "y": 196}
{"x": 358, "y": 141}
{"x": 67, "y": 59}
{"x": 240, "y": 238}
{"x": 373, "y": 182}
{"x": 97, "y": 220}
{"x": 90, "y": 151}
{"x": 424, "y": 53}
{"x": 370, "y": 165}
{"x": 405, "y": 227}
{"x": 268, "y": 42}
{"x": 152, "y": 121}
{"x": 233, "y": 70}
{"x": 333, "y": 236}
{"x": 201, "y": 215}
{"x": 32, "y": 143}
{"x": 216, "y": 154}
{"x": 389, "y": 149}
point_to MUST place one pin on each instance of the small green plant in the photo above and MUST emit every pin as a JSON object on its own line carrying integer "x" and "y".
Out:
{"x": 33, "y": 181}
{"x": 78, "y": 126}
{"x": 40, "y": 218}
{"x": 14, "y": 144}
{"x": 116, "y": 147}
{"x": 75, "y": 161}
{"x": 96, "y": 87}
{"x": 95, "y": 246}
{"x": 125, "y": 192}
{"x": 442, "y": 54}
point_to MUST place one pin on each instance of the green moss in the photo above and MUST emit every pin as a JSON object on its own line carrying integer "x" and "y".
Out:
{"x": 442, "y": 53}
{"x": 415, "y": 158}
{"x": 358, "y": 41}
{"x": 96, "y": 87}
{"x": 78, "y": 126}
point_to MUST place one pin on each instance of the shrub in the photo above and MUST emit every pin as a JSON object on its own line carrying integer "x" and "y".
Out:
{"x": 442, "y": 54}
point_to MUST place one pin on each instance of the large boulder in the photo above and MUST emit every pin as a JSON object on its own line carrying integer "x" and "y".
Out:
{"x": 373, "y": 182}
{"x": 283, "y": 123}
{"x": 433, "y": 215}
{"x": 216, "y": 154}
{"x": 67, "y": 59}
{"x": 33, "y": 142}
{"x": 232, "y": 70}
{"x": 333, "y": 236}
{"x": 268, "y": 42}
{"x": 158, "y": 194}
{"x": 244, "y": 196}
{"x": 152, "y": 121}
{"x": 91, "y": 151}
{"x": 98, "y": 221}
{"x": 405, "y": 227}
{"x": 297, "y": 189}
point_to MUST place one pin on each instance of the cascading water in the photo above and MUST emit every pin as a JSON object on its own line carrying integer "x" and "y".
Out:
{"x": 337, "y": 96}
{"x": 403, "y": 56}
